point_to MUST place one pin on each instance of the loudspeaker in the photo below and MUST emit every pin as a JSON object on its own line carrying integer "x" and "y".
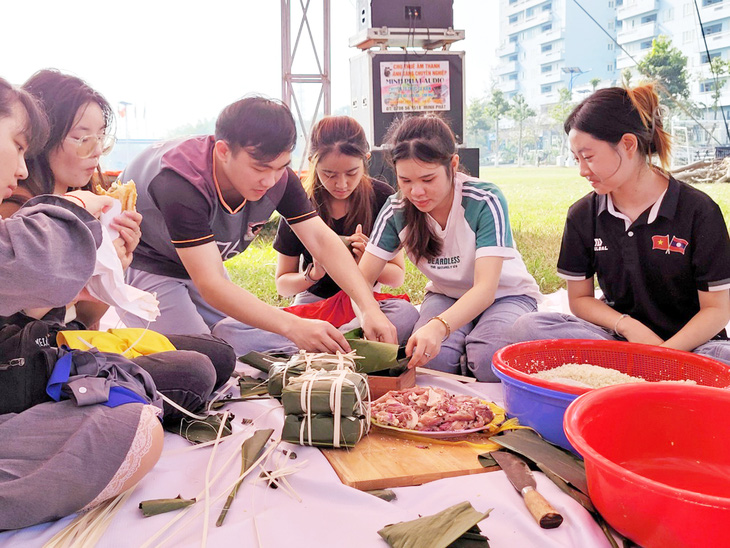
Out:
{"x": 405, "y": 14}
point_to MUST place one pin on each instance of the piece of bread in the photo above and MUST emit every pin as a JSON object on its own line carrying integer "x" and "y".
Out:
{"x": 125, "y": 193}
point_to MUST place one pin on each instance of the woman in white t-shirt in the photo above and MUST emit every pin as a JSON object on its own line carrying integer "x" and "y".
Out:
{"x": 456, "y": 230}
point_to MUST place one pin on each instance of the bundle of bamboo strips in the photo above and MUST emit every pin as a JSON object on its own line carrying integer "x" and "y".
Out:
{"x": 704, "y": 171}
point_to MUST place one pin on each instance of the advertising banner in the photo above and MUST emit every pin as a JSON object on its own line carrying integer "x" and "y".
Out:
{"x": 415, "y": 86}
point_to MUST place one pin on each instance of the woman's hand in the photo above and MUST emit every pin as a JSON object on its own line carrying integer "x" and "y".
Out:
{"x": 93, "y": 203}
{"x": 425, "y": 344}
{"x": 317, "y": 272}
{"x": 128, "y": 226}
{"x": 358, "y": 241}
{"x": 636, "y": 332}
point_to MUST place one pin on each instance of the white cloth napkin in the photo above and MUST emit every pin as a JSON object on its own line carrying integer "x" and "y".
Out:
{"x": 107, "y": 283}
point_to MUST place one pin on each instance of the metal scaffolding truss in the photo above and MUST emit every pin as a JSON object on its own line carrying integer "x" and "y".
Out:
{"x": 317, "y": 58}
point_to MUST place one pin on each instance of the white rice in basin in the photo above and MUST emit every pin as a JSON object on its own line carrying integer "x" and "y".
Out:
{"x": 586, "y": 375}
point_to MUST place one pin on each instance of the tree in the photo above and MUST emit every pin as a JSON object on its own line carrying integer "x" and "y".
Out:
{"x": 720, "y": 69}
{"x": 626, "y": 76}
{"x": 667, "y": 66}
{"x": 558, "y": 113}
{"x": 497, "y": 108}
{"x": 478, "y": 125}
{"x": 520, "y": 111}
{"x": 595, "y": 82}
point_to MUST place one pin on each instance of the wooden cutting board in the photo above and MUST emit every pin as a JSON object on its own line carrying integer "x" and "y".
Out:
{"x": 385, "y": 459}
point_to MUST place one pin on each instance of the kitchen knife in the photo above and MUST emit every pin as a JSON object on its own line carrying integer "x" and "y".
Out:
{"x": 520, "y": 476}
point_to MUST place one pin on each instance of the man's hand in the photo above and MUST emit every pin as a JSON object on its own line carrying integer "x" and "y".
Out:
{"x": 318, "y": 336}
{"x": 377, "y": 327}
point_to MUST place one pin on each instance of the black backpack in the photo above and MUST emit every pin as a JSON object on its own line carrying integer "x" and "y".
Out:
{"x": 27, "y": 358}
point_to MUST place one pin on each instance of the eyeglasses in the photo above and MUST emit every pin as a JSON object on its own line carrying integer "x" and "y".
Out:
{"x": 85, "y": 146}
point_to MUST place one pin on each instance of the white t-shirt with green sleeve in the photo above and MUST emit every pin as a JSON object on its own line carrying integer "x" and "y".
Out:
{"x": 478, "y": 226}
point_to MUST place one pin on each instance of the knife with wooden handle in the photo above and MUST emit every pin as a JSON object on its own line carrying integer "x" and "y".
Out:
{"x": 520, "y": 476}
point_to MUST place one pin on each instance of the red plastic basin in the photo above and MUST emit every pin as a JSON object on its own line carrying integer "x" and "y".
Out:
{"x": 657, "y": 462}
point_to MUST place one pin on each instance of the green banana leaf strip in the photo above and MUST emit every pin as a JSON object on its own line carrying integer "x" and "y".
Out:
{"x": 471, "y": 539}
{"x": 386, "y": 494}
{"x": 201, "y": 430}
{"x": 251, "y": 450}
{"x": 261, "y": 361}
{"x": 161, "y": 506}
{"x": 486, "y": 460}
{"x": 528, "y": 443}
{"x": 437, "y": 531}
{"x": 250, "y": 386}
{"x": 378, "y": 356}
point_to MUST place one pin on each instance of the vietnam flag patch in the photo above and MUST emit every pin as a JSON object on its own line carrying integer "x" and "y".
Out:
{"x": 660, "y": 242}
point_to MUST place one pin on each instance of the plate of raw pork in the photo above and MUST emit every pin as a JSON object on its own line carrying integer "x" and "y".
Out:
{"x": 435, "y": 413}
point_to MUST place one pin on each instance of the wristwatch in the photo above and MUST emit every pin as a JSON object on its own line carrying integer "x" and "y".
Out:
{"x": 308, "y": 274}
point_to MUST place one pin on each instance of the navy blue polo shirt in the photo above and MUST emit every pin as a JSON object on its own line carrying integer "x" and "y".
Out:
{"x": 652, "y": 268}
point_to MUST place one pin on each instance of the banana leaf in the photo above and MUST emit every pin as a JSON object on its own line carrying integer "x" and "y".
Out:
{"x": 201, "y": 430}
{"x": 438, "y": 531}
{"x": 377, "y": 356}
{"x": 385, "y": 494}
{"x": 160, "y": 506}
{"x": 528, "y": 443}
{"x": 296, "y": 430}
{"x": 251, "y": 450}
{"x": 353, "y": 397}
{"x": 262, "y": 361}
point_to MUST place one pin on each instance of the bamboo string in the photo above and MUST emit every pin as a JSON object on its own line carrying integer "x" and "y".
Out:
{"x": 207, "y": 479}
{"x": 223, "y": 492}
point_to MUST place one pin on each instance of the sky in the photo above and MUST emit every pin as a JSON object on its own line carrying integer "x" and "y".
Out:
{"x": 178, "y": 62}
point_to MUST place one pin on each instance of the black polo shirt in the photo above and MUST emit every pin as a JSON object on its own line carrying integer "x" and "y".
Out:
{"x": 652, "y": 268}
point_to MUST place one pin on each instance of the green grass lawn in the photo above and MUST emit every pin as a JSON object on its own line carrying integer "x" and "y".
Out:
{"x": 538, "y": 201}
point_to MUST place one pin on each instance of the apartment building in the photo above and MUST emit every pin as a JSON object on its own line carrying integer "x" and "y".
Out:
{"x": 547, "y": 45}
{"x": 550, "y": 44}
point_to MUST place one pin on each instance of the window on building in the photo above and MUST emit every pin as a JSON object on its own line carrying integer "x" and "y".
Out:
{"x": 610, "y": 3}
{"x": 546, "y": 89}
{"x": 688, "y": 36}
{"x": 512, "y": 58}
{"x": 513, "y": 39}
{"x": 688, "y": 9}
{"x": 546, "y": 68}
{"x": 710, "y": 2}
{"x": 512, "y": 19}
{"x": 646, "y": 44}
{"x": 648, "y": 19}
{"x": 546, "y": 28}
{"x": 713, "y": 55}
{"x": 619, "y": 3}
{"x": 547, "y": 7}
{"x": 611, "y": 25}
{"x": 609, "y": 67}
{"x": 619, "y": 25}
{"x": 712, "y": 29}
{"x": 610, "y": 46}
{"x": 529, "y": 12}
{"x": 512, "y": 2}
{"x": 512, "y": 77}
{"x": 546, "y": 47}
{"x": 668, "y": 14}
{"x": 707, "y": 86}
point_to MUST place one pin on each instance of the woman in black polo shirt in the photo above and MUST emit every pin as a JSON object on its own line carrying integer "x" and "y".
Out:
{"x": 659, "y": 246}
